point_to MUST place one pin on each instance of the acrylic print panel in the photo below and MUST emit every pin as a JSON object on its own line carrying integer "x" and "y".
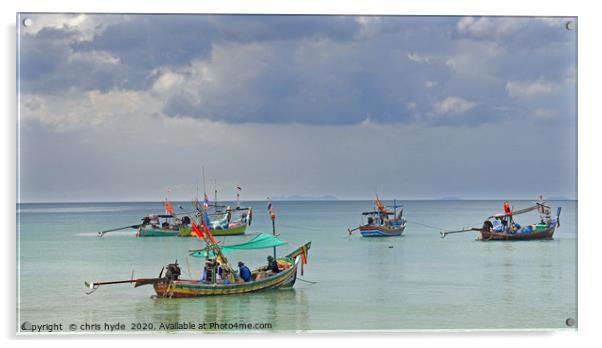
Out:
{"x": 373, "y": 138}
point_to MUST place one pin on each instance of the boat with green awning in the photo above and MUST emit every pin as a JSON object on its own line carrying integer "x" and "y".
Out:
{"x": 218, "y": 277}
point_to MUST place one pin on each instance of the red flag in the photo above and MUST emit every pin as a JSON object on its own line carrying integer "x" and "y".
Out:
{"x": 207, "y": 232}
{"x": 168, "y": 208}
{"x": 379, "y": 206}
{"x": 196, "y": 232}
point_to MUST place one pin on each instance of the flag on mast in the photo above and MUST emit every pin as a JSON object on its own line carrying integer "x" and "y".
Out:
{"x": 204, "y": 224}
{"x": 195, "y": 231}
{"x": 168, "y": 208}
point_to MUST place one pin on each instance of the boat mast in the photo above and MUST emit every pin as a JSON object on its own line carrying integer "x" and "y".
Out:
{"x": 215, "y": 194}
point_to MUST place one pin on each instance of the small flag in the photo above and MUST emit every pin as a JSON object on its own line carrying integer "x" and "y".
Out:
{"x": 168, "y": 207}
{"x": 238, "y": 188}
{"x": 270, "y": 207}
{"x": 196, "y": 232}
{"x": 379, "y": 206}
{"x": 303, "y": 258}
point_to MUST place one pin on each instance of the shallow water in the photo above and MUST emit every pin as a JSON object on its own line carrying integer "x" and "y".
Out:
{"x": 414, "y": 282}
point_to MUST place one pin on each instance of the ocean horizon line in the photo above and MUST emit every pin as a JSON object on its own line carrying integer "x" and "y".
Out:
{"x": 307, "y": 200}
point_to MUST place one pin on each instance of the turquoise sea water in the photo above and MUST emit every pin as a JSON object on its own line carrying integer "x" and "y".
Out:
{"x": 414, "y": 282}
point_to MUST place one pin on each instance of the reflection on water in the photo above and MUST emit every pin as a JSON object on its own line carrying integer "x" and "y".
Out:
{"x": 283, "y": 309}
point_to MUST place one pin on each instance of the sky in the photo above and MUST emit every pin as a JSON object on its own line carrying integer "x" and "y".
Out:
{"x": 125, "y": 107}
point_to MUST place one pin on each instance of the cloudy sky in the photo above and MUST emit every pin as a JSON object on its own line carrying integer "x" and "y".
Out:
{"x": 121, "y": 107}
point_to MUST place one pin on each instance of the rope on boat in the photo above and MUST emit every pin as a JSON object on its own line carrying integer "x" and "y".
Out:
{"x": 433, "y": 227}
{"x": 307, "y": 281}
{"x": 428, "y": 226}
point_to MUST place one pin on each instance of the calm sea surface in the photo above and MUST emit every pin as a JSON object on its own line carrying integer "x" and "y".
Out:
{"x": 417, "y": 281}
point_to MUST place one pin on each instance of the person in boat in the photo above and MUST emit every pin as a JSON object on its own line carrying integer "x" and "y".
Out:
{"x": 207, "y": 272}
{"x": 498, "y": 224}
{"x": 219, "y": 273}
{"x": 225, "y": 276}
{"x": 507, "y": 209}
{"x": 370, "y": 220}
{"x": 173, "y": 271}
{"x": 154, "y": 221}
{"x": 244, "y": 272}
{"x": 186, "y": 221}
{"x": 165, "y": 225}
{"x": 272, "y": 265}
{"x": 504, "y": 222}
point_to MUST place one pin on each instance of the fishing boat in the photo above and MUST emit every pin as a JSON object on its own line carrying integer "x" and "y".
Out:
{"x": 169, "y": 284}
{"x": 261, "y": 280}
{"x": 152, "y": 226}
{"x": 503, "y": 227}
{"x": 233, "y": 222}
{"x": 227, "y": 221}
{"x": 382, "y": 222}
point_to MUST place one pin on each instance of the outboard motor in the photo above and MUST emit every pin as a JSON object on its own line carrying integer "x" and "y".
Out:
{"x": 173, "y": 272}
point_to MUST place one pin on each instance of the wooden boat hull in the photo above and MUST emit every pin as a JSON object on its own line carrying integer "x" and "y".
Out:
{"x": 235, "y": 231}
{"x": 191, "y": 288}
{"x": 155, "y": 232}
{"x": 380, "y": 231}
{"x": 547, "y": 233}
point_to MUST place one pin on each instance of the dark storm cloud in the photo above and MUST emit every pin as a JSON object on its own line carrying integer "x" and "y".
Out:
{"x": 50, "y": 64}
{"x": 311, "y": 69}
{"x": 158, "y": 40}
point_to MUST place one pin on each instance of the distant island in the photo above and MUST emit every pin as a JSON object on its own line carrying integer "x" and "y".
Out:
{"x": 305, "y": 198}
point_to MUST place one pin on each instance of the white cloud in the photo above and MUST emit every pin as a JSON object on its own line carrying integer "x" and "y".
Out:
{"x": 77, "y": 110}
{"x": 529, "y": 89}
{"x": 93, "y": 58}
{"x": 369, "y": 26}
{"x": 453, "y": 105}
{"x": 419, "y": 58}
{"x": 488, "y": 26}
{"x": 431, "y": 84}
{"x": 85, "y": 26}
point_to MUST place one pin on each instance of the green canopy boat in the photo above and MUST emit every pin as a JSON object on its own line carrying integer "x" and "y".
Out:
{"x": 280, "y": 274}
